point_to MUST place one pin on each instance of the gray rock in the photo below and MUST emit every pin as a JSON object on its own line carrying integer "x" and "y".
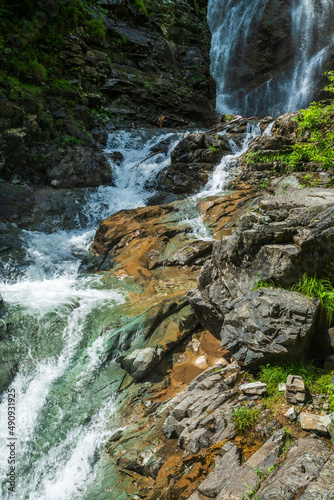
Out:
{"x": 139, "y": 362}
{"x": 172, "y": 428}
{"x": 192, "y": 442}
{"x": 291, "y": 414}
{"x": 192, "y": 161}
{"x": 245, "y": 476}
{"x": 323, "y": 486}
{"x": 328, "y": 422}
{"x": 224, "y": 469}
{"x": 285, "y": 237}
{"x": 312, "y": 423}
{"x": 257, "y": 388}
{"x": 303, "y": 464}
{"x": 295, "y": 389}
{"x": 268, "y": 325}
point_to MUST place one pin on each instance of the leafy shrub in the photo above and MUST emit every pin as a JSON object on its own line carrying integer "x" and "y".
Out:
{"x": 316, "y": 122}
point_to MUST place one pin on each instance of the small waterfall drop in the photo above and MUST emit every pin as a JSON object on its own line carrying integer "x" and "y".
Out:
{"x": 267, "y": 56}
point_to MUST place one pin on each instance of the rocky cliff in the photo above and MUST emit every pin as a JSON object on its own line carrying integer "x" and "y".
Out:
{"x": 88, "y": 68}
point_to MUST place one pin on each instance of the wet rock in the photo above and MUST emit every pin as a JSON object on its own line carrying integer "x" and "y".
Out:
{"x": 295, "y": 389}
{"x": 192, "y": 161}
{"x": 303, "y": 464}
{"x": 81, "y": 167}
{"x": 188, "y": 254}
{"x": 139, "y": 362}
{"x": 151, "y": 335}
{"x": 253, "y": 388}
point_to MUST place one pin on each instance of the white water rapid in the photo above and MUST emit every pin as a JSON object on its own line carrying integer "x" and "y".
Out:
{"x": 308, "y": 30}
{"x": 54, "y": 317}
{"x": 64, "y": 379}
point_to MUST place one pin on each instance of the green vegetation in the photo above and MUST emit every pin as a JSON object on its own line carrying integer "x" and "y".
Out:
{"x": 252, "y": 493}
{"x": 259, "y": 157}
{"x": 311, "y": 286}
{"x": 213, "y": 149}
{"x": 141, "y": 5}
{"x": 316, "y": 133}
{"x": 32, "y": 35}
{"x": 245, "y": 418}
{"x": 149, "y": 86}
{"x": 321, "y": 289}
{"x": 317, "y": 121}
{"x": 318, "y": 381}
{"x": 260, "y": 283}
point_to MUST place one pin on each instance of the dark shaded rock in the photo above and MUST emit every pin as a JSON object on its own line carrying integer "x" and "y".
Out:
{"x": 192, "y": 161}
{"x": 285, "y": 125}
{"x": 80, "y": 167}
{"x": 268, "y": 144}
{"x": 268, "y": 325}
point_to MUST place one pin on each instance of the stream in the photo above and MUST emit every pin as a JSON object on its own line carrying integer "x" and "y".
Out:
{"x": 64, "y": 378}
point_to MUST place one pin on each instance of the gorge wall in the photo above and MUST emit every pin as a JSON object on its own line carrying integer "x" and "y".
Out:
{"x": 81, "y": 69}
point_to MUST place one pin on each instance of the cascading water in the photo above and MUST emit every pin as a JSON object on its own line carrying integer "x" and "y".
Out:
{"x": 54, "y": 316}
{"x": 65, "y": 380}
{"x": 280, "y": 75}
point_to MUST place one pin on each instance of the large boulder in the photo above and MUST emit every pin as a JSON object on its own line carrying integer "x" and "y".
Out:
{"x": 269, "y": 324}
{"x": 283, "y": 238}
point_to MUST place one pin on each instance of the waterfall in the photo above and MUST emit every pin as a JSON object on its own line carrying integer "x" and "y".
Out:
{"x": 267, "y": 56}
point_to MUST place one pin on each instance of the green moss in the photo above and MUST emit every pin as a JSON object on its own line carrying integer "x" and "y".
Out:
{"x": 318, "y": 381}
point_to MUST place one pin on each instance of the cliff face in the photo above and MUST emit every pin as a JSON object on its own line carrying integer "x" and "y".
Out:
{"x": 91, "y": 67}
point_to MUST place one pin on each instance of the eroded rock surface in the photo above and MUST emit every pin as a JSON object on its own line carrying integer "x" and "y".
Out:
{"x": 284, "y": 237}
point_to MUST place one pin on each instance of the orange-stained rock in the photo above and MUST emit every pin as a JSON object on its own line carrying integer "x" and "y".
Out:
{"x": 143, "y": 239}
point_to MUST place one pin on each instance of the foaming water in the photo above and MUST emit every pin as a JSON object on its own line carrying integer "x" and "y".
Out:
{"x": 235, "y": 24}
{"x": 54, "y": 311}
{"x": 218, "y": 181}
{"x": 65, "y": 374}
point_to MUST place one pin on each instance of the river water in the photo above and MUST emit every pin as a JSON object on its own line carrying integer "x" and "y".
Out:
{"x": 61, "y": 327}
{"x": 64, "y": 378}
